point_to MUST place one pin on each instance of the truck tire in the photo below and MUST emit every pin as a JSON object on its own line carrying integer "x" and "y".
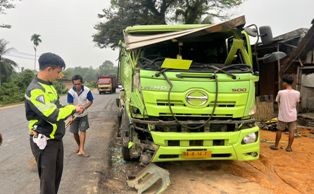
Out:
{"x": 126, "y": 153}
{"x": 99, "y": 92}
{"x": 124, "y": 133}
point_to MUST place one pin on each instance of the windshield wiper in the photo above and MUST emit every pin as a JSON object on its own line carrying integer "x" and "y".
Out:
{"x": 223, "y": 71}
{"x": 215, "y": 68}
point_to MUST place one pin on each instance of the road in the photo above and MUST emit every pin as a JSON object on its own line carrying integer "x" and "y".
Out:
{"x": 276, "y": 172}
{"x": 81, "y": 175}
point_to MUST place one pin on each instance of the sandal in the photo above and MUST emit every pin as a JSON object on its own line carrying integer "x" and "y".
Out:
{"x": 83, "y": 155}
{"x": 273, "y": 147}
{"x": 289, "y": 149}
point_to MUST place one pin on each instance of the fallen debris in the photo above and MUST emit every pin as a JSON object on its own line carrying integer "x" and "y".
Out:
{"x": 148, "y": 178}
{"x": 269, "y": 125}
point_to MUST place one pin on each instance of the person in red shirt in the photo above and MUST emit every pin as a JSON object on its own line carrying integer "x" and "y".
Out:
{"x": 287, "y": 100}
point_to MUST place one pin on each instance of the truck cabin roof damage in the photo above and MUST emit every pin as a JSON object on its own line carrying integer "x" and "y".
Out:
{"x": 140, "y": 36}
{"x": 210, "y": 46}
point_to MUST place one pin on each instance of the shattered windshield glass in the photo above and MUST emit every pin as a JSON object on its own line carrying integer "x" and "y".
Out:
{"x": 207, "y": 53}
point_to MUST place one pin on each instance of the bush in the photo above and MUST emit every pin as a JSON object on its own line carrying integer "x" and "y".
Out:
{"x": 10, "y": 93}
{"x": 90, "y": 84}
{"x": 61, "y": 89}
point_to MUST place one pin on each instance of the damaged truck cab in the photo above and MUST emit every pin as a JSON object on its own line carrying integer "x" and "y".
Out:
{"x": 188, "y": 93}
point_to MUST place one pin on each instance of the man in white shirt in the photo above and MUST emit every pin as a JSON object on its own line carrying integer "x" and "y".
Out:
{"x": 80, "y": 95}
{"x": 287, "y": 100}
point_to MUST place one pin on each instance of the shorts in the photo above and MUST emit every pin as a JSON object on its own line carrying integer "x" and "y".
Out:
{"x": 79, "y": 124}
{"x": 291, "y": 126}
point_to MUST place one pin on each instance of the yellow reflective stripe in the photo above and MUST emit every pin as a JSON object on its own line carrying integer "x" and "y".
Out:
{"x": 31, "y": 124}
{"x": 46, "y": 107}
{"x": 66, "y": 111}
{"x": 54, "y": 129}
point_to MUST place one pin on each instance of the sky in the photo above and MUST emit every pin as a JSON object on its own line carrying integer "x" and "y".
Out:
{"x": 66, "y": 27}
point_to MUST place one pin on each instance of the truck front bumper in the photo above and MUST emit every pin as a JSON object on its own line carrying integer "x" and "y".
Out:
{"x": 221, "y": 145}
{"x": 105, "y": 89}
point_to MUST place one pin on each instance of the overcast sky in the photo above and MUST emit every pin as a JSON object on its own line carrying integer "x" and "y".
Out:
{"x": 66, "y": 26}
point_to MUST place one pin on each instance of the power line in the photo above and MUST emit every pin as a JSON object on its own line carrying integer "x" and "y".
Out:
{"x": 27, "y": 54}
{"x": 19, "y": 57}
{"x": 15, "y": 51}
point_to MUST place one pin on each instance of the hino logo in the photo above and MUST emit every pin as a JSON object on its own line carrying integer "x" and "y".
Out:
{"x": 196, "y": 98}
{"x": 239, "y": 90}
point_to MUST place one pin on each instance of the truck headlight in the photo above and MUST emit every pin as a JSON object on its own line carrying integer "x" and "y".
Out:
{"x": 250, "y": 138}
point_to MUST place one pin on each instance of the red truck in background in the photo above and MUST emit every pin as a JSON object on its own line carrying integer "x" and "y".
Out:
{"x": 107, "y": 83}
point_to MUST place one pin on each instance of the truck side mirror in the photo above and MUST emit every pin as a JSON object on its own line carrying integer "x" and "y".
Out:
{"x": 275, "y": 56}
{"x": 266, "y": 34}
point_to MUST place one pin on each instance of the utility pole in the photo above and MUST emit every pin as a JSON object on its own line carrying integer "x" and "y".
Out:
{"x": 0, "y": 71}
{"x": 35, "y": 58}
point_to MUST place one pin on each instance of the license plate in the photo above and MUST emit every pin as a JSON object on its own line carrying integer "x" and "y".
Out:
{"x": 197, "y": 154}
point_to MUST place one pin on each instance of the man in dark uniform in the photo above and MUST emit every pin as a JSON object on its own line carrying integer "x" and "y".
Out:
{"x": 46, "y": 125}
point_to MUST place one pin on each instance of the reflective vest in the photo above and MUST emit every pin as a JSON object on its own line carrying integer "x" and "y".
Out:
{"x": 44, "y": 112}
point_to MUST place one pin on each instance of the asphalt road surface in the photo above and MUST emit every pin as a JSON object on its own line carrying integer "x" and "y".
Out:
{"x": 18, "y": 172}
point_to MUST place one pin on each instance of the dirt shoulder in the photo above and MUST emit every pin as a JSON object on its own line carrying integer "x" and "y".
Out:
{"x": 275, "y": 171}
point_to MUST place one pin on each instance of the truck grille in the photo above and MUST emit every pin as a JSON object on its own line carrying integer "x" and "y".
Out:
{"x": 176, "y": 156}
{"x": 197, "y": 115}
{"x": 181, "y": 103}
{"x": 214, "y": 125}
{"x": 215, "y": 142}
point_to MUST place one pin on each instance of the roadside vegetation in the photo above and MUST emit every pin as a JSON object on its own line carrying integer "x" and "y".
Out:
{"x": 123, "y": 13}
{"x": 13, "y": 84}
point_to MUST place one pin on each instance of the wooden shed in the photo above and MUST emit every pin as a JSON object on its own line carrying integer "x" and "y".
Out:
{"x": 299, "y": 62}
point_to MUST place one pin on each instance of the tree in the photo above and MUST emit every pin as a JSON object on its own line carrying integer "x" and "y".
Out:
{"x": 36, "y": 40}
{"x": 88, "y": 73}
{"x": 6, "y": 65}
{"x": 123, "y": 13}
{"x": 12, "y": 90}
{"x": 5, "y": 4}
{"x": 107, "y": 68}
{"x": 193, "y": 11}
{"x": 23, "y": 79}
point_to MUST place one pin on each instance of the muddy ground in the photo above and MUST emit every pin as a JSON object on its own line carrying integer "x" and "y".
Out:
{"x": 275, "y": 172}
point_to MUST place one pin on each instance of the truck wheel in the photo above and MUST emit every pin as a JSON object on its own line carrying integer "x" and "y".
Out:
{"x": 124, "y": 133}
{"x": 126, "y": 153}
{"x": 99, "y": 92}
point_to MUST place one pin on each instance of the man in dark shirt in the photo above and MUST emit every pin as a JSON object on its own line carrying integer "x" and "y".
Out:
{"x": 46, "y": 126}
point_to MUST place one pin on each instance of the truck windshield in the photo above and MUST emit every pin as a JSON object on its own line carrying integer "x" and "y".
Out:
{"x": 104, "y": 81}
{"x": 205, "y": 52}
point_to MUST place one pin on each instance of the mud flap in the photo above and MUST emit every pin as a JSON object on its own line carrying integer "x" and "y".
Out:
{"x": 148, "y": 177}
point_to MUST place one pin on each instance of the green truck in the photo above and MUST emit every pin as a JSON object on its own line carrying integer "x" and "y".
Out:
{"x": 188, "y": 93}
